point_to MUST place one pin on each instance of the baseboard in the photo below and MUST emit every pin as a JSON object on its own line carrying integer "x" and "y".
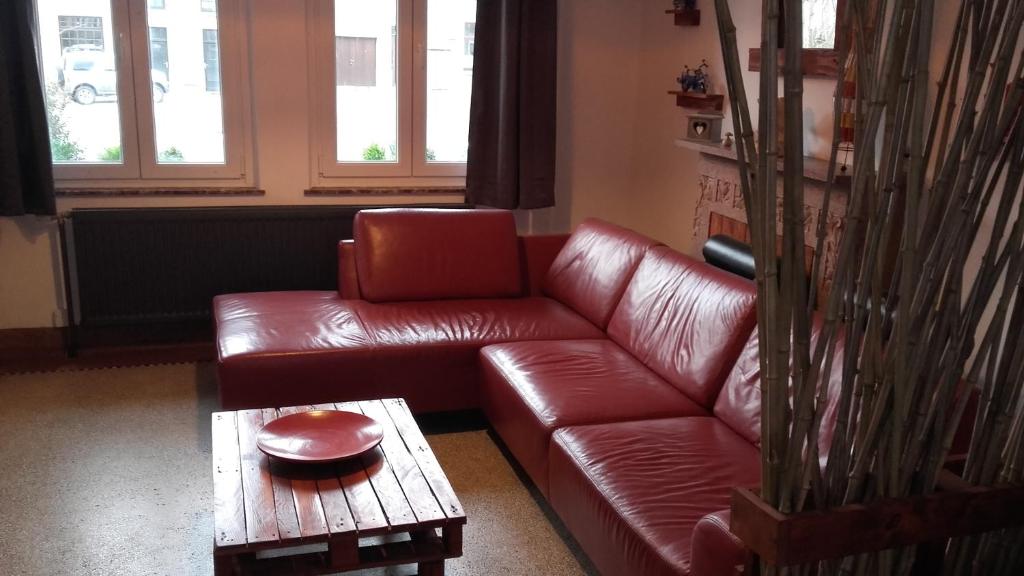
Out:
{"x": 45, "y": 349}
{"x": 31, "y": 346}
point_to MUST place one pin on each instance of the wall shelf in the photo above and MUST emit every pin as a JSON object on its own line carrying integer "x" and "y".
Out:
{"x": 686, "y": 17}
{"x": 697, "y": 101}
{"x": 814, "y": 168}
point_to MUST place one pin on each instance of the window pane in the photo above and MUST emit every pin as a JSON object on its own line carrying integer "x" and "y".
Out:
{"x": 184, "y": 60}
{"x": 451, "y": 32}
{"x": 80, "y": 77}
{"x": 365, "y": 40}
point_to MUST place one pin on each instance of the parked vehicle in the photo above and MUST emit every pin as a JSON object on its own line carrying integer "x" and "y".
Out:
{"x": 89, "y": 72}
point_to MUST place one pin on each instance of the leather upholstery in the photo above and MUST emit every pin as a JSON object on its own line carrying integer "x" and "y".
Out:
{"x": 537, "y": 254}
{"x": 739, "y": 404}
{"x": 715, "y": 551}
{"x": 424, "y": 254}
{"x": 632, "y": 492}
{"x": 348, "y": 280}
{"x": 532, "y": 388}
{"x": 591, "y": 272}
{"x": 473, "y": 323}
{"x": 685, "y": 320}
{"x": 286, "y": 348}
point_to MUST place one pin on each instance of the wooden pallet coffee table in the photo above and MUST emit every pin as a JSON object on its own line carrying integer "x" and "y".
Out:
{"x": 394, "y": 498}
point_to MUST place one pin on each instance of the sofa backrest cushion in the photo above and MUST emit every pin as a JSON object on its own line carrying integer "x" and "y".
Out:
{"x": 590, "y": 273}
{"x": 685, "y": 320}
{"x": 432, "y": 254}
{"x": 739, "y": 403}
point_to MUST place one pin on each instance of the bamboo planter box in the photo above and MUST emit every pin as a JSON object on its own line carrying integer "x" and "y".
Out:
{"x": 791, "y": 539}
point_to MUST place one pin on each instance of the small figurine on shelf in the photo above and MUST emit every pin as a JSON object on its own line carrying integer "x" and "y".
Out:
{"x": 728, "y": 140}
{"x": 694, "y": 80}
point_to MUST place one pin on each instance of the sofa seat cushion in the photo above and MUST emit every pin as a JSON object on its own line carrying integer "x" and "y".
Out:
{"x": 632, "y": 492}
{"x": 287, "y": 348}
{"x": 592, "y": 270}
{"x": 686, "y": 320}
{"x": 532, "y": 388}
{"x": 470, "y": 323}
{"x": 281, "y": 348}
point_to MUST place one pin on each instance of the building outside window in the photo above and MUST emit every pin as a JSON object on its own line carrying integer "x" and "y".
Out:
{"x": 211, "y": 60}
{"x": 208, "y": 5}
{"x": 158, "y": 49}
{"x": 356, "y": 61}
{"x": 470, "y": 36}
{"x": 80, "y": 31}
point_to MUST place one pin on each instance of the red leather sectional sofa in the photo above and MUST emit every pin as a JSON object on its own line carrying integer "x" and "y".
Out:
{"x": 622, "y": 375}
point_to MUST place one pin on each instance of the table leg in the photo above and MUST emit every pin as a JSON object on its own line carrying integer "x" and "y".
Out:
{"x": 430, "y": 568}
{"x": 452, "y": 538}
{"x": 344, "y": 551}
{"x": 223, "y": 565}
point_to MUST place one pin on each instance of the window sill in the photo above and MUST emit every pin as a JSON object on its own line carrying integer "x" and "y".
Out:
{"x": 134, "y": 192}
{"x": 386, "y": 191}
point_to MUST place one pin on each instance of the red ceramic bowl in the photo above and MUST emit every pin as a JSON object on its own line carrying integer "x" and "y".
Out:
{"x": 319, "y": 436}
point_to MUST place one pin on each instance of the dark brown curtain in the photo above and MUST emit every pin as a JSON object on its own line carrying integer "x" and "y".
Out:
{"x": 512, "y": 117}
{"x": 26, "y": 174}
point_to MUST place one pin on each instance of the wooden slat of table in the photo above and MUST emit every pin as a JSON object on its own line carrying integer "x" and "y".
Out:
{"x": 389, "y": 492}
{"x": 228, "y": 513}
{"x": 414, "y": 486}
{"x": 287, "y": 518}
{"x": 332, "y": 497}
{"x": 257, "y": 486}
{"x": 418, "y": 447}
{"x": 308, "y": 509}
{"x": 366, "y": 510}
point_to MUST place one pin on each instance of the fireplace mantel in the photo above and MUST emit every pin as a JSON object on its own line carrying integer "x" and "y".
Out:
{"x": 814, "y": 168}
{"x": 720, "y": 205}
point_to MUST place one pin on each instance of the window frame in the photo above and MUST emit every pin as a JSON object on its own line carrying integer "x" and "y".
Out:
{"x": 411, "y": 165}
{"x": 139, "y": 165}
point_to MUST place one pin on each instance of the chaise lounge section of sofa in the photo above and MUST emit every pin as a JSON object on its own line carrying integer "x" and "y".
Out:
{"x": 621, "y": 374}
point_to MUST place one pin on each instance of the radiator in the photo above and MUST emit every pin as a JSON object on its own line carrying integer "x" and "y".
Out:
{"x": 137, "y": 266}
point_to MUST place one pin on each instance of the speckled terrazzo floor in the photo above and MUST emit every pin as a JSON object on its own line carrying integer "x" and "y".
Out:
{"x": 107, "y": 472}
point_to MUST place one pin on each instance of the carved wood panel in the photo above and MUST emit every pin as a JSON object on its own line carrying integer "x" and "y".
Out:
{"x": 721, "y": 202}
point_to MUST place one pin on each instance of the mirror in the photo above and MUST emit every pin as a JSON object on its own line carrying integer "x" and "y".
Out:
{"x": 818, "y": 38}
{"x": 820, "y": 20}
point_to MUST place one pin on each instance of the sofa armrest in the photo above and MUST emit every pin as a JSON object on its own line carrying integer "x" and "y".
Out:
{"x": 348, "y": 278}
{"x": 715, "y": 551}
{"x": 537, "y": 254}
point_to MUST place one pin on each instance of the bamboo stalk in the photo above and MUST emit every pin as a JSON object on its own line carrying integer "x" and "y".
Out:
{"x": 907, "y": 337}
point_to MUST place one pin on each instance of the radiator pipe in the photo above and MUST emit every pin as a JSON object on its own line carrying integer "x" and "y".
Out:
{"x": 70, "y": 331}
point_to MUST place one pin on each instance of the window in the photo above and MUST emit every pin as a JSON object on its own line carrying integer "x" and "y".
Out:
{"x": 80, "y": 31}
{"x": 157, "y": 4}
{"x": 115, "y": 111}
{"x": 208, "y": 5}
{"x": 393, "y": 83}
